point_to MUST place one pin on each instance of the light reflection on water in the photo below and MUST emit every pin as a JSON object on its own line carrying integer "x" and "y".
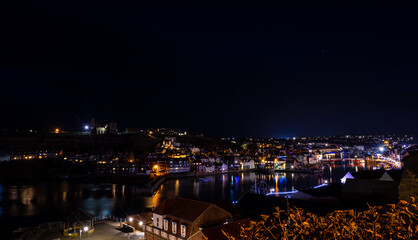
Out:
{"x": 42, "y": 202}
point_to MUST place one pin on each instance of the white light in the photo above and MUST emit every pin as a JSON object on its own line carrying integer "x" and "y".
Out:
{"x": 321, "y": 185}
{"x": 141, "y": 223}
{"x": 381, "y": 149}
{"x": 86, "y": 127}
{"x": 326, "y": 181}
{"x": 131, "y": 219}
{"x": 281, "y": 193}
{"x": 86, "y": 229}
{"x": 272, "y": 190}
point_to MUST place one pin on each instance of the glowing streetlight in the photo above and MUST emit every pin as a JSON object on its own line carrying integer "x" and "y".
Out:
{"x": 86, "y": 127}
{"x": 85, "y": 229}
{"x": 131, "y": 219}
{"x": 381, "y": 149}
{"x": 141, "y": 223}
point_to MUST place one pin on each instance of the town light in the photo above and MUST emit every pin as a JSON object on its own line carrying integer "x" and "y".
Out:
{"x": 86, "y": 127}
{"x": 381, "y": 149}
{"x": 86, "y": 229}
{"x": 141, "y": 223}
{"x": 131, "y": 219}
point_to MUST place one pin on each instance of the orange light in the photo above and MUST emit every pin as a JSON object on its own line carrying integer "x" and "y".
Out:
{"x": 57, "y": 130}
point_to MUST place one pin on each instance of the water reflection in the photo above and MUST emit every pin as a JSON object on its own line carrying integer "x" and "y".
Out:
{"x": 99, "y": 207}
{"x": 176, "y": 188}
{"x": 27, "y": 194}
{"x": 57, "y": 200}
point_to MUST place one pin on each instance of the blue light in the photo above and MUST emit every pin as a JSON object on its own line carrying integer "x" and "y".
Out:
{"x": 291, "y": 192}
{"x": 281, "y": 193}
{"x": 86, "y": 127}
{"x": 321, "y": 185}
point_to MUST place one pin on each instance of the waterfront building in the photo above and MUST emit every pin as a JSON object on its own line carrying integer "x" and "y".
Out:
{"x": 245, "y": 165}
{"x": 181, "y": 218}
{"x": 279, "y": 164}
{"x": 178, "y": 165}
{"x": 223, "y": 167}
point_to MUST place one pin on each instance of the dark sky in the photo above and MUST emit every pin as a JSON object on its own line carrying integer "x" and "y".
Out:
{"x": 224, "y": 69}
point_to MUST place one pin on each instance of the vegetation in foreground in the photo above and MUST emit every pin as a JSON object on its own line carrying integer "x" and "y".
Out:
{"x": 394, "y": 221}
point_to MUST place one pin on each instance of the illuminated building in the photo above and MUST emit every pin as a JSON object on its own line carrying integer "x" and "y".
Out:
{"x": 181, "y": 218}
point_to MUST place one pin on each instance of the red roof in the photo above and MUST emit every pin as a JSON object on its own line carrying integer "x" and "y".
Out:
{"x": 183, "y": 208}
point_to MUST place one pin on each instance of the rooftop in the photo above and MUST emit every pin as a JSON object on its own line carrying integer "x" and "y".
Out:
{"x": 184, "y": 208}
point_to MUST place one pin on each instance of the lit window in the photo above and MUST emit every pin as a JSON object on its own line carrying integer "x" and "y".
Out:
{"x": 174, "y": 227}
{"x": 183, "y": 230}
{"x": 165, "y": 224}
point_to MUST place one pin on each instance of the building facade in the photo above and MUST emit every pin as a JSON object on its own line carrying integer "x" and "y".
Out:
{"x": 181, "y": 218}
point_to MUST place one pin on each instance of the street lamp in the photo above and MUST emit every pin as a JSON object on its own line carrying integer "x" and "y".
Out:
{"x": 131, "y": 219}
{"x": 85, "y": 229}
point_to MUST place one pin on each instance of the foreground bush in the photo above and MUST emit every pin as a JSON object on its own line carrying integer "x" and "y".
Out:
{"x": 398, "y": 221}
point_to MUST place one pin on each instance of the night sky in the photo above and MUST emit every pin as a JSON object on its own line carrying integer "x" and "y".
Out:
{"x": 222, "y": 69}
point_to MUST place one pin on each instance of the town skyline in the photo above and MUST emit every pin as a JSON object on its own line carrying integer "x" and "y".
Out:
{"x": 208, "y": 120}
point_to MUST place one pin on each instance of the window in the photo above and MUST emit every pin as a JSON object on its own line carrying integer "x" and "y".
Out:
{"x": 183, "y": 230}
{"x": 174, "y": 227}
{"x": 165, "y": 224}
